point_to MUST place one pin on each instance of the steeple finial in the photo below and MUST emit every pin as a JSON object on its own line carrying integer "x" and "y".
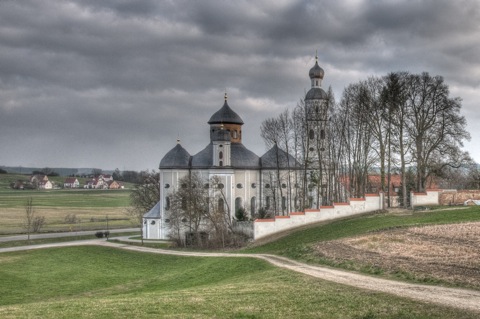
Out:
{"x": 178, "y": 139}
{"x": 226, "y": 97}
{"x": 316, "y": 56}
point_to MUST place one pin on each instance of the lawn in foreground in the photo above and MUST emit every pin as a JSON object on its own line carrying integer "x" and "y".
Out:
{"x": 100, "y": 282}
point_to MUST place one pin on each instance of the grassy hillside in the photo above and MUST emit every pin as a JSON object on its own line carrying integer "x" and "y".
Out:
{"x": 293, "y": 244}
{"x": 99, "y": 282}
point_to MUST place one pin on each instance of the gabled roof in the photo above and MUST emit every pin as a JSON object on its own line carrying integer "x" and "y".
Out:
{"x": 70, "y": 180}
{"x": 269, "y": 159}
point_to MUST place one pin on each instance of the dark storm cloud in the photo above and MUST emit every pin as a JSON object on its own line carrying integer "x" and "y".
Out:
{"x": 114, "y": 83}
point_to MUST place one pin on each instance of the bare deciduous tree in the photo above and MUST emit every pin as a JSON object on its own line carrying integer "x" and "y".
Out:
{"x": 144, "y": 197}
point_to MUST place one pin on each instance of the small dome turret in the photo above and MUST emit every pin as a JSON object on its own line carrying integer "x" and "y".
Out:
{"x": 316, "y": 72}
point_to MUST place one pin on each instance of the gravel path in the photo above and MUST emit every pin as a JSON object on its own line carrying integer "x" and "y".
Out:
{"x": 457, "y": 298}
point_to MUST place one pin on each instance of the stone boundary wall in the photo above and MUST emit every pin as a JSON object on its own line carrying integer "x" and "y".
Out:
{"x": 265, "y": 227}
{"x": 457, "y": 197}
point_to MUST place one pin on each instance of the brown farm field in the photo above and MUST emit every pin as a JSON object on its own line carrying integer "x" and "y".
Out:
{"x": 63, "y": 209}
{"x": 446, "y": 254}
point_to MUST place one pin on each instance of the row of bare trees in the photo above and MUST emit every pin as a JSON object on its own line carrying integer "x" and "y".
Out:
{"x": 395, "y": 123}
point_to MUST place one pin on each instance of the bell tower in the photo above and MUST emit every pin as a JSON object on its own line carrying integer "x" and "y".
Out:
{"x": 316, "y": 117}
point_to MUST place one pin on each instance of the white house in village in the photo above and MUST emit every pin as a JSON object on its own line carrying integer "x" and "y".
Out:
{"x": 41, "y": 181}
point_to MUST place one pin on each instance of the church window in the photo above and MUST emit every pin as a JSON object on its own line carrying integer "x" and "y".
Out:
{"x": 167, "y": 185}
{"x": 254, "y": 185}
{"x": 284, "y": 185}
{"x": 152, "y": 223}
{"x": 252, "y": 205}
{"x": 322, "y": 134}
{"x": 311, "y": 134}
{"x": 316, "y": 82}
{"x": 220, "y": 163}
{"x": 167, "y": 203}
{"x": 220, "y": 186}
{"x": 167, "y": 220}
{"x": 184, "y": 220}
{"x": 267, "y": 185}
{"x": 238, "y": 203}
{"x": 239, "y": 185}
{"x": 284, "y": 202}
{"x": 220, "y": 155}
{"x": 235, "y": 134}
{"x": 221, "y": 207}
{"x": 267, "y": 204}
{"x": 220, "y": 145}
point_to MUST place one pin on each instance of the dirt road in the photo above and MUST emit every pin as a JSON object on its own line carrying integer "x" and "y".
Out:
{"x": 457, "y": 298}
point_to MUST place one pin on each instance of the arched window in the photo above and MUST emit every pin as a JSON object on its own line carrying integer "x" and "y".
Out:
{"x": 235, "y": 134}
{"x": 311, "y": 134}
{"x": 322, "y": 134}
{"x": 284, "y": 202}
{"x": 238, "y": 203}
{"x": 167, "y": 203}
{"x": 267, "y": 200}
{"x": 220, "y": 155}
{"x": 220, "y": 163}
{"x": 221, "y": 205}
{"x": 253, "y": 205}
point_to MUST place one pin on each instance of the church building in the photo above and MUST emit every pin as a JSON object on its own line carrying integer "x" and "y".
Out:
{"x": 248, "y": 181}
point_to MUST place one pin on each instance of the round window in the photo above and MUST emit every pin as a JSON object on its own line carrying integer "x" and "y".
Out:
{"x": 152, "y": 222}
{"x": 239, "y": 185}
{"x": 167, "y": 185}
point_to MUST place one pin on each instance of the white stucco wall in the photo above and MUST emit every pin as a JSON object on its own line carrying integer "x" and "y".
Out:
{"x": 265, "y": 227}
{"x": 430, "y": 197}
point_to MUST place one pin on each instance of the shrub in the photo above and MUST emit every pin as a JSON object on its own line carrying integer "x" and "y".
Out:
{"x": 37, "y": 223}
{"x": 241, "y": 214}
{"x": 99, "y": 234}
{"x": 71, "y": 219}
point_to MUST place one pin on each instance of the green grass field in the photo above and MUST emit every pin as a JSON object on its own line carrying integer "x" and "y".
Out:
{"x": 99, "y": 282}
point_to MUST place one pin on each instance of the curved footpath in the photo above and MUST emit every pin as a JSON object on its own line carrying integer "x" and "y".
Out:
{"x": 452, "y": 297}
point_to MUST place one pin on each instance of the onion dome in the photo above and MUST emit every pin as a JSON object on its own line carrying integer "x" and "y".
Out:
{"x": 225, "y": 115}
{"x": 316, "y": 72}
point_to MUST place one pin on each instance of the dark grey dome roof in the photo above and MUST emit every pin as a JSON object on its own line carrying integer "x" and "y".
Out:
{"x": 316, "y": 72}
{"x": 177, "y": 157}
{"x": 316, "y": 94}
{"x": 241, "y": 157}
{"x": 225, "y": 115}
{"x": 269, "y": 159}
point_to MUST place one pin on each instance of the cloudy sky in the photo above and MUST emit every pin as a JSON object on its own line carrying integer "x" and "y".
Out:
{"x": 112, "y": 84}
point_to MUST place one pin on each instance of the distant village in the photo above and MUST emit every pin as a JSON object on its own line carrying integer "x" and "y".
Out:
{"x": 41, "y": 181}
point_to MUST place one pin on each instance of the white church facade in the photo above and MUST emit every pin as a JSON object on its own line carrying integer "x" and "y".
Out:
{"x": 249, "y": 181}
